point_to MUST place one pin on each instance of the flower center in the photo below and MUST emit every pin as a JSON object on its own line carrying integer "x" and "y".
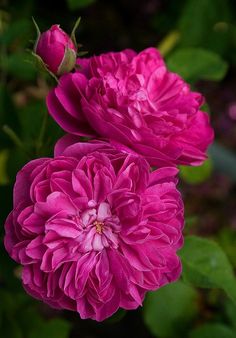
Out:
{"x": 99, "y": 226}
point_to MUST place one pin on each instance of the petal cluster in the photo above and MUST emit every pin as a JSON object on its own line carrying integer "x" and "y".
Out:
{"x": 134, "y": 101}
{"x": 94, "y": 228}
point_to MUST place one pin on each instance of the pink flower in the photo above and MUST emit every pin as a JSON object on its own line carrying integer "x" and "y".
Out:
{"x": 94, "y": 229}
{"x": 57, "y": 50}
{"x": 133, "y": 100}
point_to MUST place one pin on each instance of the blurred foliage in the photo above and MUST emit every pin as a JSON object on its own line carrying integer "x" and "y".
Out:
{"x": 195, "y": 64}
{"x": 212, "y": 330}
{"x": 196, "y": 175}
{"x": 199, "y": 24}
{"x": 76, "y": 4}
{"x": 169, "y": 311}
{"x": 198, "y": 40}
{"x": 224, "y": 160}
{"x": 227, "y": 240}
{"x": 206, "y": 265}
{"x": 20, "y": 319}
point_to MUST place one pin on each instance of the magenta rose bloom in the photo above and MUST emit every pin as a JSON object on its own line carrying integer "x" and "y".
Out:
{"x": 57, "y": 50}
{"x": 133, "y": 100}
{"x": 94, "y": 229}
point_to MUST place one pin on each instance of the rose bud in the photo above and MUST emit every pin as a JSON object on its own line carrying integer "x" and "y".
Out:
{"x": 56, "y": 50}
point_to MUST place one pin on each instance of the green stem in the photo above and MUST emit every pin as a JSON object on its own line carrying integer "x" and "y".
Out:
{"x": 15, "y": 139}
{"x": 42, "y": 133}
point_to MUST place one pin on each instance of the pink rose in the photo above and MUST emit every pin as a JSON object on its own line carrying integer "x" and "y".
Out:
{"x": 94, "y": 229}
{"x": 57, "y": 50}
{"x": 133, "y": 100}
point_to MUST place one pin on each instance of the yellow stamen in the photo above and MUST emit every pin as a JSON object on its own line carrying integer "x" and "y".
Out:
{"x": 99, "y": 226}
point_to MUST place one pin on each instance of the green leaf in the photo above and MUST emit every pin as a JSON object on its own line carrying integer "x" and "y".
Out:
{"x": 227, "y": 240}
{"x": 55, "y": 328}
{"x": 206, "y": 265}
{"x": 199, "y": 24}
{"x": 196, "y": 175}
{"x": 18, "y": 30}
{"x": 76, "y": 4}
{"x": 212, "y": 331}
{"x": 195, "y": 64}
{"x": 170, "y": 309}
{"x": 20, "y": 66}
{"x": 230, "y": 310}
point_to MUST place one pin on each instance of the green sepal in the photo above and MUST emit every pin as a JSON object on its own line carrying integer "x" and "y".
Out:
{"x": 37, "y": 31}
{"x": 43, "y": 66}
{"x": 72, "y": 36}
{"x": 79, "y": 54}
{"x": 68, "y": 62}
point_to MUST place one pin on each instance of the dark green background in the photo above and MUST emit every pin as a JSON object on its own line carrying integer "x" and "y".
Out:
{"x": 198, "y": 40}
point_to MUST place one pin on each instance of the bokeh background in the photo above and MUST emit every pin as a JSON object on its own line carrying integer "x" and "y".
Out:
{"x": 198, "y": 40}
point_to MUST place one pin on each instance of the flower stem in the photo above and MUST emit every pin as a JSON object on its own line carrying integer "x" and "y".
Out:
{"x": 41, "y": 133}
{"x": 15, "y": 138}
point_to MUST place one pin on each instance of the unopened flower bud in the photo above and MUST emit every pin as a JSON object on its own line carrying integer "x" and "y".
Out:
{"x": 56, "y": 50}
